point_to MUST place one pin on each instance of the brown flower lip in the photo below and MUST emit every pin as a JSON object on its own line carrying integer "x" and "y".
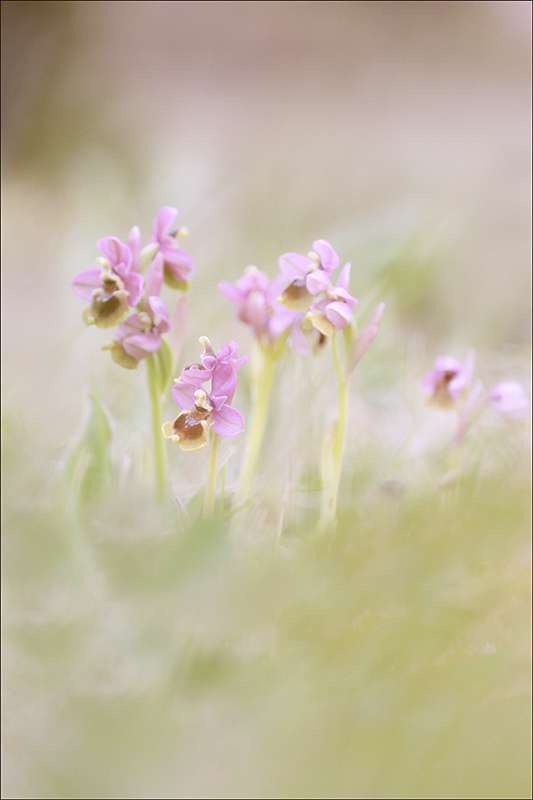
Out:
{"x": 296, "y": 296}
{"x": 189, "y": 428}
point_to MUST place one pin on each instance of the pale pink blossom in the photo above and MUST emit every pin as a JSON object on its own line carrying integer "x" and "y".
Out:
{"x": 201, "y": 409}
{"x": 309, "y": 275}
{"x": 254, "y": 298}
{"x": 447, "y": 380}
{"x": 334, "y": 311}
{"x": 178, "y": 266}
{"x": 509, "y": 400}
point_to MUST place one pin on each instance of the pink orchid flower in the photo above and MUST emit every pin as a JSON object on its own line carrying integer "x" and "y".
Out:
{"x": 139, "y": 336}
{"x": 211, "y": 362}
{"x": 309, "y": 275}
{"x": 202, "y": 410}
{"x": 334, "y": 311}
{"x": 255, "y": 303}
{"x": 119, "y": 269}
{"x": 178, "y": 266}
{"x": 447, "y": 381}
{"x": 508, "y": 399}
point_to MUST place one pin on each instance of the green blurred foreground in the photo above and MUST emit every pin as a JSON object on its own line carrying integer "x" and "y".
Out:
{"x": 141, "y": 660}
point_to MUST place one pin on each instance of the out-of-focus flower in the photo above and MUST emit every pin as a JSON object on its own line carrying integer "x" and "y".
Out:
{"x": 139, "y": 336}
{"x": 202, "y": 410}
{"x": 334, "y": 311}
{"x": 115, "y": 284}
{"x": 178, "y": 266}
{"x": 508, "y": 399}
{"x": 446, "y": 382}
{"x": 255, "y": 302}
{"x": 309, "y": 275}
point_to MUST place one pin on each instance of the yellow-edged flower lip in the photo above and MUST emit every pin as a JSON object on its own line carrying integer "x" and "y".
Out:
{"x": 189, "y": 428}
{"x": 296, "y": 296}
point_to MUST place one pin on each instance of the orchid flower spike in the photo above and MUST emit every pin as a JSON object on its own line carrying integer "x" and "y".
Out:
{"x": 139, "y": 336}
{"x": 309, "y": 275}
{"x": 447, "y": 380}
{"x": 115, "y": 285}
{"x": 334, "y": 311}
{"x": 255, "y": 303}
{"x": 201, "y": 409}
{"x": 178, "y": 266}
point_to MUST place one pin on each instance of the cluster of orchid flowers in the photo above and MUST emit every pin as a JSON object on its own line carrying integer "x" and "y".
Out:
{"x": 300, "y": 303}
{"x": 116, "y": 286}
{"x": 201, "y": 409}
{"x": 301, "y": 307}
{"x": 450, "y": 384}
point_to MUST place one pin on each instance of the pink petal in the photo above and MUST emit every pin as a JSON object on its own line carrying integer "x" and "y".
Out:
{"x": 130, "y": 326}
{"x": 509, "y": 401}
{"x": 274, "y": 289}
{"x": 84, "y": 283}
{"x": 196, "y": 376}
{"x": 163, "y": 221}
{"x": 343, "y": 281}
{"x": 294, "y": 266}
{"x": 224, "y": 380}
{"x": 183, "y": 394}
{"x": 231, "y": 292}
{"x": 430, "y": 381}
{"x": 115, "y": 251}
{"x": 227, "y": 421}
{"x": 178, "y": 261}
{"x": 456, "y": 385}
{"x": 160, "y": 310}
{"x": 341, "y": 294}
{"x": 364, "y": 339}
{"x": 257, "y": 313}
{"x": 141, "y": 345}
{"x": 155, "y": 276}
{"x": 317, "y": 281}
{"x": 134, "y": 285}
{"x": 448, "y": 364}
{"x": 339, "y": 314}
{"x": 329, "y": 259}
{"x": 134, "y": 243}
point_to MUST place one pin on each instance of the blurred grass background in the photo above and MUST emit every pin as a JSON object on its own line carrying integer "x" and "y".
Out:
{"x": 141, "y": 660}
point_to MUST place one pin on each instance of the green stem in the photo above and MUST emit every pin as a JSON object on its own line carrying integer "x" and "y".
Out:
{"x": 334, "y": 448}
{"x": 263, "y": 372}
{"x": 210, "y": 486}
{"x": 159, "y": 452}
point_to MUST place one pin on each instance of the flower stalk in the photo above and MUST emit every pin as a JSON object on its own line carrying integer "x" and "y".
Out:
{"x": 333, "y": 454}
{"x": 264, "y": 361}
{"x": 159, "y": 452}
{"x": 211, "y": 483}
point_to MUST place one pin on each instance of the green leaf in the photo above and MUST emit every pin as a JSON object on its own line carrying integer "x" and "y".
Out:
{"x": 164, "y": 366}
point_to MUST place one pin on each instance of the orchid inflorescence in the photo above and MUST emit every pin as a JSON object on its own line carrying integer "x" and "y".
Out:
{"x": 450, "y": 385}
{"x": 300, "y": 300}
{"x": 116, "y": 285}
{"x": 301, "y": 309}
{"x": 202, "y": 410}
